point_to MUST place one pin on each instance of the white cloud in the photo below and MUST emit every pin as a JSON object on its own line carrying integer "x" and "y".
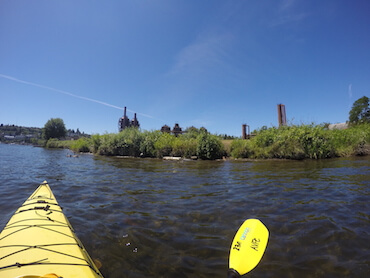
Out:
{"x": 350, "y": 91}
{"x": 202, "y": 55}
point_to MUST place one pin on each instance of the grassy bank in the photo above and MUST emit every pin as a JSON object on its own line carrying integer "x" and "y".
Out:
{"x": 291, "y": 142}
{"x": 305, "y": 141}
{"x": 132, "y": 142}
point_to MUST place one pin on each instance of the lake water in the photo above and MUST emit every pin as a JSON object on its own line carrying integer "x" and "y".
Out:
{"x": 155, "y": 218}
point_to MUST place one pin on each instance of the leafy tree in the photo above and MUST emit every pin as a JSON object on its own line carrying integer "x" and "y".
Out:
{"x": 54, "y": 128}
{"x": 360, "y": 112}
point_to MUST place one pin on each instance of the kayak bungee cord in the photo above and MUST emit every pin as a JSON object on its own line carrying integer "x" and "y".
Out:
{"x": 20, "y": 265}
{"x": 39, "y": 239}
{"x": 41, "y": 226}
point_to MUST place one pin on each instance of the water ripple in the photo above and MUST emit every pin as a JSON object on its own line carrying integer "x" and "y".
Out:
{"x": 154, "y": 218}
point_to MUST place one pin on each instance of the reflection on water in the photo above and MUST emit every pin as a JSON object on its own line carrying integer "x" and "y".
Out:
{"x": 154, "y": 218}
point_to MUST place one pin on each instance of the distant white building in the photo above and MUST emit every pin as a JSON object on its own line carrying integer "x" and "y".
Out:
{"x": 338, "y": 126}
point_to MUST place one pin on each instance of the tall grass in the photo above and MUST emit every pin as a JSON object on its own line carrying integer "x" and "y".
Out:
{"x": 352, "y": 141}
{"x": 289, "y": 142}
{"x": 304, "y": 141}
{"x": 54, "y": 143}
{"x": 80, "y": 145}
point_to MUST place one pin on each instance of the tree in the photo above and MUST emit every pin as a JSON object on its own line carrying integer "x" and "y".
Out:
{"x": 54, "y": 128}
{"x": 360, "y": 112}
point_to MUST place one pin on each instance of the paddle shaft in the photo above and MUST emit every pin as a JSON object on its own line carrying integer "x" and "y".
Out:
{"x": 232, "y": 273}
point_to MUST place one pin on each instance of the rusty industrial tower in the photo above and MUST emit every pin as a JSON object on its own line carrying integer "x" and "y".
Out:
{"x": 281, "y": 114}
{"x": 176, "y": 129}
{"x": 125, "y": 122}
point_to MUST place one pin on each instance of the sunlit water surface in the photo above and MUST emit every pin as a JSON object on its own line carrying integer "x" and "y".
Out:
{"x": 154, "y": 218}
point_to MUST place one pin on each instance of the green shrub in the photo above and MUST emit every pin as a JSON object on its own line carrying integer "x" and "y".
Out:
{"x": 163, "y": 145}
{"x": 108, "y": 144}
{"x": 209, "y": 146}
{"x": 287, "y": 148}
{"x": 128, "y": 142}
{"x": 95, "y": 142}
{"x": 52, "y": 143}
{"x": 265, "y": 137}
{"x": 81, "y": 145}
{"x": 241, "y": 148}
{"x": 147, "y": 147}
{"x": 316, "y": 142}
{"x": 184, "y": 147}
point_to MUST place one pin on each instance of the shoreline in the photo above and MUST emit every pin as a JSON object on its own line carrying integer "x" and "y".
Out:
{"x": 290, "y": 142}
{"x": 229, "y": 158}
{"x": 365, "y": 152}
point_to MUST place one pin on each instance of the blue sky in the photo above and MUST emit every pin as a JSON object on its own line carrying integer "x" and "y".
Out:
{"x": 210, "y": 63}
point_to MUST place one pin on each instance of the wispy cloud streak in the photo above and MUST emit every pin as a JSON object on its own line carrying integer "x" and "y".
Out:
{"x": 286, "y": 4}
{"x": 287, "y": 14}
{"x": 350, "y": 91}
{"x": 67, "y": 93}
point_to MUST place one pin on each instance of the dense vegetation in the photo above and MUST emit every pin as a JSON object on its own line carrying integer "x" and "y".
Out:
{"x": 290, "y": 142}
{"x": 132, "y": 142}
{"x": 305, "y": 141}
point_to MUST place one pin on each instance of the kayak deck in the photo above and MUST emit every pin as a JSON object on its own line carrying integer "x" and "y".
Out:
{"x": 38, "y": 240}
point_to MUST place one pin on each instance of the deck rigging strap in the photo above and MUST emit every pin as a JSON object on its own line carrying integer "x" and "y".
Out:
{"x": 43, "y": 226}
{"x": 42, "y": 247}
{"x": 20, "y": 265}
{"x": 87, "y": 262}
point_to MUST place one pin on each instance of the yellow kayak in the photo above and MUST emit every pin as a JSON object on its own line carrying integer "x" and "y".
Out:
{"x": 39, "y": 241}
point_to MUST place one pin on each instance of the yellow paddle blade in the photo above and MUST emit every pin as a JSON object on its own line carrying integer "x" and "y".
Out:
{"x": 248, "y": 246}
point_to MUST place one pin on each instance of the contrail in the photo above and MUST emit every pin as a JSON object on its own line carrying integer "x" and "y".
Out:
{"x": 68, "y": 93}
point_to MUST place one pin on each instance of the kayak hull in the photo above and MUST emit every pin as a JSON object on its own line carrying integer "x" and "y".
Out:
{"x": 39, "y": 240}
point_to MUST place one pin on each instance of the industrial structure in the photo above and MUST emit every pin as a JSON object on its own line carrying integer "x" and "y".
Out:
{"x": 246, "y": 134}
{"x": 176, "y": 129}
{"x": 281, "y": 119}
{"x": 281, "y": 115}
{"x": 125, "y": 122}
